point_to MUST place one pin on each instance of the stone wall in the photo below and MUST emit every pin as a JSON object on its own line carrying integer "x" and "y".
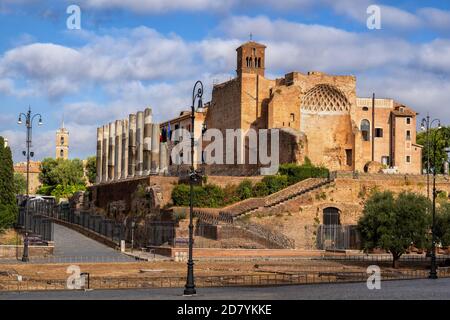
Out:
{"x": 13, "y": 251}
{"x": 297, "y": 217}
{"x": 104, "y": 194}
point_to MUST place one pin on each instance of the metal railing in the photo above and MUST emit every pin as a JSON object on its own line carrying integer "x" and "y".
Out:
{"x": 216, "y": 280}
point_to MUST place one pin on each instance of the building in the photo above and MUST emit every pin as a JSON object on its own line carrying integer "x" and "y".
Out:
{"x": 319, "y": 116}
{"x": 171, "y": 135}
{"x": 35, "y": 170}
{"x": 62, "y": 143}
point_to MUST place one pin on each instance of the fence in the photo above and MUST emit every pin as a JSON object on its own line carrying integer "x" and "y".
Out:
{"x": 42, "y": 211}
{"x": 36, "y": 222}
{"x": 338, "y": 237}
{"x": 217, "y": 280}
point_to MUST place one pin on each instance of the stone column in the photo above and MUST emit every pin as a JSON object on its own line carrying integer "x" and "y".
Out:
{"x": 105, "y": 153}
{"x": 99, "y": 154}
{"x": 124, "y": 148}
{"x": 131, "y": 145}
{"x": 118, "y": 151}
{"x": 163, "y": 158}
{"x": 112, "y": 150}
{"x": 140, "y": 143}
{"x": 155, "y": 147}
{"x": 147, "y": 140}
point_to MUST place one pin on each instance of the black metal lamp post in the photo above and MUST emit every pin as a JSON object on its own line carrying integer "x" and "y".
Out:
{"x": 427, "y": 124}
{"x": 194, "y": 176}
{"x": 29, "y": 125}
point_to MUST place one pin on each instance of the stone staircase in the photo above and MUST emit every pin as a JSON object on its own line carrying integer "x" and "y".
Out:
{"x": 228, "y": 215}
{"x": 251, "y": 205}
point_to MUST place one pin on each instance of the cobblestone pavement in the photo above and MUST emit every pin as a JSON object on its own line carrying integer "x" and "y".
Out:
{"x": 423, "y": 289}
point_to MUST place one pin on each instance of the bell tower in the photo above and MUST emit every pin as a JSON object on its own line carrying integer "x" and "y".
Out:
{"x": 62, "y": 143}
{"x": 251, "y": 58}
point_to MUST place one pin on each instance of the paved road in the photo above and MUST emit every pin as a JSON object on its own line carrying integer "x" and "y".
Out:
{"x": 71, "y": 246}
{"x": 69, "y": 243}
{"x": 406, "y": 289}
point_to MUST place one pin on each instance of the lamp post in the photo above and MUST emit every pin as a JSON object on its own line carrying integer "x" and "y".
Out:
{"x": 427, "y": 124}
{"x": 194, "y": 176}
{"x": 29, "y": 125}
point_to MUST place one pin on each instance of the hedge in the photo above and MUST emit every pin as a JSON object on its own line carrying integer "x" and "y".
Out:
{"x": 213, "y": 196}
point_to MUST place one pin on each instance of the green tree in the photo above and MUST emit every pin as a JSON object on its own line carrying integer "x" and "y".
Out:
{"x": 91, "y": 168}
{"x": 8, "y": 202}
{"x": 443, "y": 224}
{"x": 61, "y": 178}
{"x": 394, "y": 224}
{"x": 442, "y": 141}
{"x": 20, "y": 183}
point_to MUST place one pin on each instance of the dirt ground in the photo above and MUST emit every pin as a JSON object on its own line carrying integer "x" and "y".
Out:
{"x": 170, "y": 268}
{"x": 9, "y": 237}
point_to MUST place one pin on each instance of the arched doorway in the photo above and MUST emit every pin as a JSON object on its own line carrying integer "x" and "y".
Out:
{"x": 330, "y": 230}
{"x": 331, "y": 216}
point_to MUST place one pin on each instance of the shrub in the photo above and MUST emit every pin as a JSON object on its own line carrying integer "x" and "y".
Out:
{"x": 244, "y": 190}
{"x": 260, "y": 190}
{"x": 231, "y": 194}
{"x": 275, "y": 183}
{"x": 210, "y": 196}
{"x": 298, "y": 173}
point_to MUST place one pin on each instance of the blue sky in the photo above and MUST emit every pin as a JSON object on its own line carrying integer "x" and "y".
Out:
{"x": 137, "y": 53}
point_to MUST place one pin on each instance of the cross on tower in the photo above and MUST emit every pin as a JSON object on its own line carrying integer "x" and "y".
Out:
{"x": 251, "y": 36}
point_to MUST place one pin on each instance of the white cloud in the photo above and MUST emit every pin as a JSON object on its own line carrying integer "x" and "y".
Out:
{"x": 136, "y": 68}
{"x": 436, "y": 18}
{"x": 43, "y": 142}
{"x": 301, "y": 47}
{"x": 436, "y": 55}
{"x": 158, "y": 6}
{"x": 137, "y": 54}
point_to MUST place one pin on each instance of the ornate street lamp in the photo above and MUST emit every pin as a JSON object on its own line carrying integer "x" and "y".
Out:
{"x": 194, "y": 176}
{"x": 427, "y": 124}
{"x": 29, "y": 125}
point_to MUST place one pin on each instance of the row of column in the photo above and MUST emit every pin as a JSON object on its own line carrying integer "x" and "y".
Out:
{"x": 130, "y": 148}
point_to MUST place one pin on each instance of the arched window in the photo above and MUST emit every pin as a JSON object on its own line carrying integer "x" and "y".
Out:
{"x": 259, "y": 62}
{"x": 246, "y": 59}
{"x": 62, "y": 140}
{"x": 61, "y": 153}
{"x": 251, "y": 62}
{"x": 331, "y": 216}
{"x": 365, "y": 129}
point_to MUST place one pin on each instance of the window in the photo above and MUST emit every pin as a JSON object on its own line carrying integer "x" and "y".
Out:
{"x": 378, "y": 133}
{"x": 292, "y": 117}
{"x": 365, "y": 109}
{"x": 408, "y": 134}
{"x": 365, "y": 129}
{"x": 408, "y": 120}
{"x": 408, "y": 159}
{"x": 62, "y": 141}
{"x": 61, "y": 153}
{"x": 349, "y": 157}
{"x": 385, "y": 160}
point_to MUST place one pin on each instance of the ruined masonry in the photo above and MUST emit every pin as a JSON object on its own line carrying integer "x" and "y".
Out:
{"x": 130, "y": 148}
